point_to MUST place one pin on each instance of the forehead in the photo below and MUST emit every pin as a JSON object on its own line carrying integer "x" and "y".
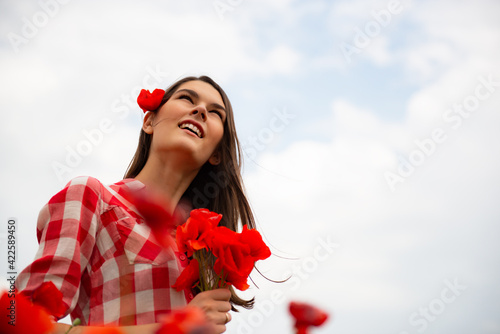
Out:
{"x": 205, "y": 90}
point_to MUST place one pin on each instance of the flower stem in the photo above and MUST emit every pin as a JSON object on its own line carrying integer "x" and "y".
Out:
{"x": 75, "y": 323}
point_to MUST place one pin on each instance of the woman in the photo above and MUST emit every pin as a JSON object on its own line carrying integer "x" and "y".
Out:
{"x": 95, "y": 247}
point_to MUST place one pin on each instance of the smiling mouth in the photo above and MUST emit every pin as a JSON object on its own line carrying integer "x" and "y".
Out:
{"x": 192, "y": 128}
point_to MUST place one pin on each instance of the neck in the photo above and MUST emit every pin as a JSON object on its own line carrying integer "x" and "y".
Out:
{"x": 167, "y": 178}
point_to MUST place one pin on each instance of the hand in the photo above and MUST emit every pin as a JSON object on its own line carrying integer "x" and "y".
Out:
{"x": 60, "y": 328}
{"x": 215, "y": 304}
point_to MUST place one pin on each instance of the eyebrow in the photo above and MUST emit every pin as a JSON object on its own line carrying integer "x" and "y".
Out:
{"x": 197, "y": 96}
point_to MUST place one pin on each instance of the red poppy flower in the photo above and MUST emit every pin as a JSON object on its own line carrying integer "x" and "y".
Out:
{"x": 189, "y": 320}
{"x": 258, "y": 249}
{"x": 191, "y": 236}
{"x": 236, "y": 254}
{"x": 306, "y": 315}
{"x": 49, "y": 297}
{"x": 20, "y": 315}
{"x": 232, "y": 264}
{"x": 188, "y": 277}
{"x": 152, "y": 209}
{"x": 150, "y": 101}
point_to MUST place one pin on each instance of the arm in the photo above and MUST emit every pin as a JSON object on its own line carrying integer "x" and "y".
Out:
{"x": 139, "y": 329}
{"x": 66, "y": 231}
{"x": 214, "y": 303}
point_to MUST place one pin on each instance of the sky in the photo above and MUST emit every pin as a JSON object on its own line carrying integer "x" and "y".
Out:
{"x": 369, "y": 129}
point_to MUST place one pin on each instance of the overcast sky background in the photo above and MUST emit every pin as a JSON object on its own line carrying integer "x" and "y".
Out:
{"x": 316, "y": 174}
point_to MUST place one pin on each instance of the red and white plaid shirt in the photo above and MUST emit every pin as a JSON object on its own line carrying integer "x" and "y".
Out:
{"x": 97, "y": 250}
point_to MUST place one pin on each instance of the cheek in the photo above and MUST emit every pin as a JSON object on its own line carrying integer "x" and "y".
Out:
{"x": 171, "y": 109}
{"x": 219, "y": 133}
{"x": 216, "y": 129}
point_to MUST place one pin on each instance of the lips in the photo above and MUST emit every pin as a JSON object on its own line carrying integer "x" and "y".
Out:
{"x": 192, "y": 126}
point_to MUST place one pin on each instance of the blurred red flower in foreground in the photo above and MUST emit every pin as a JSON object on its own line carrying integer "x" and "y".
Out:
{"x": 306, "y": 315}
{"x": 152, "y": 208}
{"x": 189, "y": 320}
{"x": 150, "y": 101}
{"x": 31, "y": 312}
{"x": 49, "y": 297}
{"x": 235, "y": 253}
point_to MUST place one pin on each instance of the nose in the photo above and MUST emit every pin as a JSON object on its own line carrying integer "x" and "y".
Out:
{"x": 200, "y": 111}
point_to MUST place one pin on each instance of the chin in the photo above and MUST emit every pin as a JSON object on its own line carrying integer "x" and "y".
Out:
{"x": 185, "y": 152}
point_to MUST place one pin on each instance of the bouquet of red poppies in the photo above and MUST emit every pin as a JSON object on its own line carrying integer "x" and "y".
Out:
{"x": 234, "y": 254}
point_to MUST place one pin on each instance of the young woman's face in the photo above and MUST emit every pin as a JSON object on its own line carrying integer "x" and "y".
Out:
{"x": 190, "y": 124}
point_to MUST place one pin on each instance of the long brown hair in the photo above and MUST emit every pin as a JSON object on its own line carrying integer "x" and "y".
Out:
{"x": 218, "y": 188}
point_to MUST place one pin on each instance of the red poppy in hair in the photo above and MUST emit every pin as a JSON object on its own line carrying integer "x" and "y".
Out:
{"x": 150, "y": 101}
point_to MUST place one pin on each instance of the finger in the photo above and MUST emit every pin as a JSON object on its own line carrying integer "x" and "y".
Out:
{"x": 220, "y": 328}
{"x": 222, "y": 318}
{"x": 221, "y": 294}
{"x": 223, "y": 306}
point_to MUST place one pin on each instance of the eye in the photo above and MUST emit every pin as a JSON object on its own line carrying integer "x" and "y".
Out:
{"x": 186, "y": 97}
{"x": 217, "y": 112}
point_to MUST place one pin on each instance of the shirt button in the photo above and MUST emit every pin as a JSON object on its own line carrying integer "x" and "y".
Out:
{"x": 191, "y": 296}
{"x": 182, "y": 257}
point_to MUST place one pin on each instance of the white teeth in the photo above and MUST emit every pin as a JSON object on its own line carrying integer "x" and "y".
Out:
{"x": 192, "y": 127}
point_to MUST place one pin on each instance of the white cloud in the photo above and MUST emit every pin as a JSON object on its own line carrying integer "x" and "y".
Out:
{"x": 66, "y": 79}
{"x": 396, "y": 248}
{"x": 283, "y": 60}
{"x": 466, "y": 37}
{"x": 368, "y": 27}
{"x": 391, "y": 254}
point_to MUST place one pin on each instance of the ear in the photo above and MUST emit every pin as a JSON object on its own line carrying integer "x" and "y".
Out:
{"x": 147, "y": 122}
{"x": 215, "y": 158}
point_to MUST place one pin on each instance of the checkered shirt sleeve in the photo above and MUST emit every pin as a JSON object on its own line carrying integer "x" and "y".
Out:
{"x": 102, "y": 257}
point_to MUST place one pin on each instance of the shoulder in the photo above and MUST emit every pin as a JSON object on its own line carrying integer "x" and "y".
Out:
{"x": 81, "y": 186}
{"x": 84, "y": 189}
{"x": 80, "y": 199}
{"x": 85, "y": 181}
{"x": 92, "y": 192}
{"x": 90, "y": 183}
